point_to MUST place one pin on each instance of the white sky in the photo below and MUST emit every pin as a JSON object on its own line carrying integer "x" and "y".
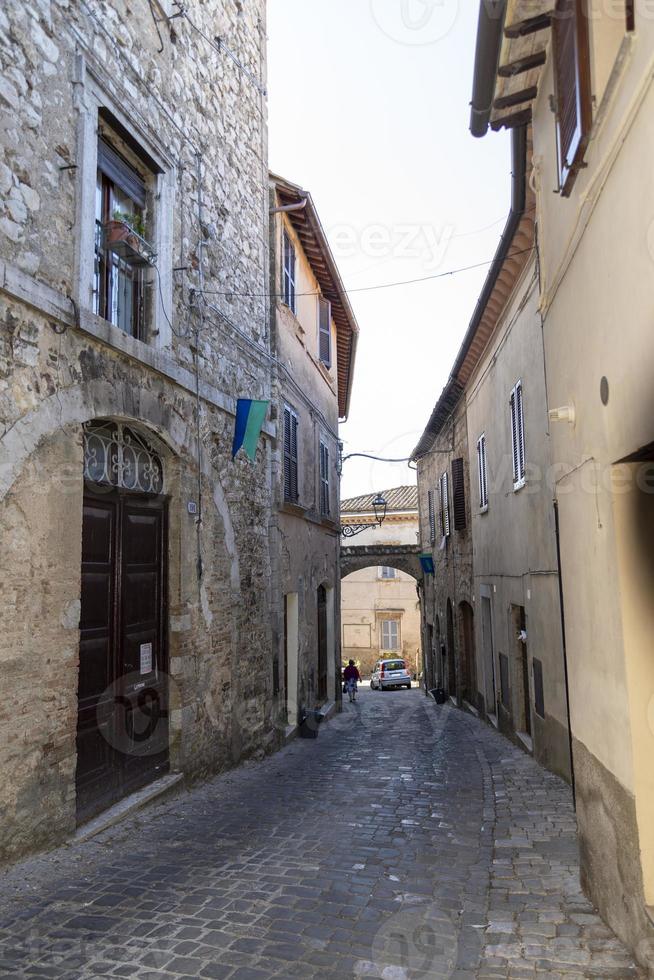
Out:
{"x": 369, "y": 109}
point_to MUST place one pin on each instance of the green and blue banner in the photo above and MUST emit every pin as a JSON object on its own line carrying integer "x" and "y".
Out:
{"x": 250, "y": 416}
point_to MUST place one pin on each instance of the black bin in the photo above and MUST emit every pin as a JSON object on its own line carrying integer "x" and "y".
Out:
{"x": 309, "y": 724}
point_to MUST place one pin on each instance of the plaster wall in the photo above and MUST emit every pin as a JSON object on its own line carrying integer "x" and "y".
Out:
{"x": 598, "y": 300}
{"x": 514, "y": 538}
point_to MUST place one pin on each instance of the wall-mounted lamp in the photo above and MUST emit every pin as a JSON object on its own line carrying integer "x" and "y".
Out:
{"x": 379, "y": 506}
{"x": 566, "y": 413}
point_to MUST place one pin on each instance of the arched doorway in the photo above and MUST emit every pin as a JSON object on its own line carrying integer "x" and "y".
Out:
{"x": 467, "y": 647}
{"x": 122, "y": 727}
{"x": 451, "y": 652}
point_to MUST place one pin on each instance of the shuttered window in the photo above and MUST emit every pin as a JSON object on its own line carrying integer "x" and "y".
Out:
{"x": 432, "y": 516}
{"x": 387, "y": 572}
{"x": 482, "y": 472}
{"x": 290, "y": 455}
{"x": 444, "y": 510}
{"x": 573, "y": 88}
{"x": 324, "y": 479}
{"x": 325, "y": 331}
{"x": 390, "y": 634}
{"x": 518, "y": 436}
{"x": 289, "y": 273}
{"x": 458, "y": 495}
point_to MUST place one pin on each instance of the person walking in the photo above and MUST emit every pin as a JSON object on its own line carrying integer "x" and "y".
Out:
{"x": 351, "y": 677}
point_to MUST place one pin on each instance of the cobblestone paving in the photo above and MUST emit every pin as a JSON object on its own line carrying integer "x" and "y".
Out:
{"x": 407, "y": 841}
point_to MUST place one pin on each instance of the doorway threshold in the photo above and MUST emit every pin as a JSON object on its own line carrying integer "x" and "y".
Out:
{"x": 493, "y": 720}
{"x": 469, "y": 707}
{"x": 526, "y": 740}
{"x": 129, "y": 805}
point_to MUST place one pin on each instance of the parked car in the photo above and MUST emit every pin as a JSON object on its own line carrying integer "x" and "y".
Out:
{"x": 390, "y": 673}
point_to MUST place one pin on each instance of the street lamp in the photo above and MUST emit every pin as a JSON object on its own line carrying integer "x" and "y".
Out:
{"x": 379, "y": 506}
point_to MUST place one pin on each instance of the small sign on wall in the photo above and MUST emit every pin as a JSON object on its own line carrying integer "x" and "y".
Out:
{"x": 146, "y": 658}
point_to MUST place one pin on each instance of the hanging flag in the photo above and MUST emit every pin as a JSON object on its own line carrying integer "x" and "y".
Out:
{"x": 427, "y": 563}
{"x": 250, "y": 416}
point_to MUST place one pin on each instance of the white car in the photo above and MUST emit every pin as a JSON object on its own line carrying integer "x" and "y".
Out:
{"x": 390, "y": 673}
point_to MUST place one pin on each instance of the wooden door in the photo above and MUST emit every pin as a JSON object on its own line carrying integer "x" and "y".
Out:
{"x": 122, "y": 740}
{"x": 322, "y": 644}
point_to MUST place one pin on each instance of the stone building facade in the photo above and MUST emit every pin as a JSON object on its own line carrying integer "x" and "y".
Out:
{"x": 444, "y": 499}
{"x": 135, "y": 568}
{"x": 314, "y": 335}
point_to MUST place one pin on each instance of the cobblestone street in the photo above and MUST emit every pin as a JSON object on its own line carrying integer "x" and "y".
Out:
{"x": 407, "y": 841}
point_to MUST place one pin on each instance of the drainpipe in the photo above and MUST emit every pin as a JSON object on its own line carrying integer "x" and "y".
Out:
{"x": 565, "y": 650}
{"x": 490, "y": 32}
{"x": 288, "y": 208}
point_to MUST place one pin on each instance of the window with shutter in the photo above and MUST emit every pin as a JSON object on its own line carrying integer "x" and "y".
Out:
{"x": 289, "y": 273}
{"x": 573, "y": 88}
{"x": 387, "y": 572}
{"x": 325, "y": 331}
{"x": 518, "y": 436}
{"x": 482, "y": 472}
{"x": 390, "y": 634}
{"x": 290, "y": 454}
{"x": 432, "y": 516}
{"x": 324, "y": 479}
{"x": 445, "y": 506}
{"x": 458, "y": 494}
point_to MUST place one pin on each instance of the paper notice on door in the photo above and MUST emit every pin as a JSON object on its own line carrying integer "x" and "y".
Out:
{"x": 146, "y": 658}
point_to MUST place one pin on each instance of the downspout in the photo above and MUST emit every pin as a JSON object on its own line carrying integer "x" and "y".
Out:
{"x": 565, "y": 651}
{"x": 490, "y": 32}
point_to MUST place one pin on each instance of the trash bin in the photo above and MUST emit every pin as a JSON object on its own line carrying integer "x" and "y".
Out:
{"x": 309, "y": 723}
{"x": 439, "y": 695}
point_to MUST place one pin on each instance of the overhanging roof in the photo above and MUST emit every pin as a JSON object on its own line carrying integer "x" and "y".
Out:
{"x": 514, "y": 251}
{"x": 309, "y": 230}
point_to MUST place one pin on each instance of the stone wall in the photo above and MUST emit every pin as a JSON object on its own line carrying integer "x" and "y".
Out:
{"x": 203, "y": 121}
{"x": 452, "y": 580}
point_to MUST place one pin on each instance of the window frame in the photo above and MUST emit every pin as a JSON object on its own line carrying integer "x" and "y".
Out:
{"x": 518, "y": 447}
{"x": 110, "y": 269}
{"x": 387, "y": 578}
{"x": 324, "y": 332}
{"x": 459, "y": 494}
{"x": 432, "y": 516}
{"x": 482, "y": 473}
{"x": 444, "y": 505}
{"x": 570, "y": 157}
{"x": 395, "y": 624}
{"x": 291, "y": 455}
{"x": 325, "y": 491}
{"x": 289, "y": 271}
{"x": 103, "y": 114}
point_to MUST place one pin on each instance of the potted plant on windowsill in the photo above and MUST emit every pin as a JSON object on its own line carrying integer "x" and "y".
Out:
{"x": 125, "y": 236}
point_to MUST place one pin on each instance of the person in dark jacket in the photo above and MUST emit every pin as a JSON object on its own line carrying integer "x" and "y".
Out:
{"x": 351, "y": 677}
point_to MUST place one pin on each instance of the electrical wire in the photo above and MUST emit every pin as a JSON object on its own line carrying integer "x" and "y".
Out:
{"x": 221, "y": 47}
{"x": 386, "y": 285}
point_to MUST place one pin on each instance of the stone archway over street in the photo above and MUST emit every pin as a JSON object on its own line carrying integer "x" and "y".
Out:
{"x": 406, "y": 558}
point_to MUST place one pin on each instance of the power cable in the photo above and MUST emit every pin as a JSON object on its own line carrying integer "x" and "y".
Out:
{"x": 386, "y": 285}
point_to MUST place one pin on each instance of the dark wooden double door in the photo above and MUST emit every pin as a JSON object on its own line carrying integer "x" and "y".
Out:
{"x": 122, "y": 730}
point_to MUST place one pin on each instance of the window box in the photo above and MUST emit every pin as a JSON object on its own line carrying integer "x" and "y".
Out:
{"x": 120, "y": 238}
